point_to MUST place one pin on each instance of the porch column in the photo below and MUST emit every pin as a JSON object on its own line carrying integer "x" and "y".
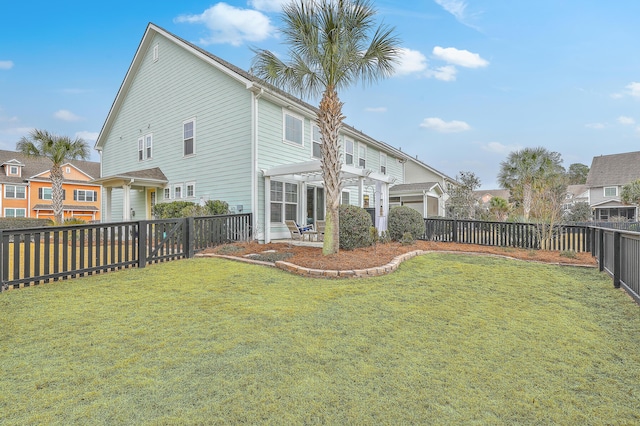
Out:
{"x": 107, "y": 207}
{"x": 425, "y": 204}
{"x": 361, "y": 191}
{"x": 267, "y": 209}
{"x": 126, "y": 202}
{"x": 303, "y": 204}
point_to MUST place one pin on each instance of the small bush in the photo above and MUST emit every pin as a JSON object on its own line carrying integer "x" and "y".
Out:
{"x": 355, "y": 223}
{"x": 170, "y": 210}
{"x": 176, "y": 209}
{"x": 407, "y": 239}
{"x": 73, "y": 221}
{"x": 214, "y": 207}
{"x": 404, "y": 219}
{"x": 568, "y": 254}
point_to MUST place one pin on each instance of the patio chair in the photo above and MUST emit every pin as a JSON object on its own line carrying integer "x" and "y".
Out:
{"x": 320, "y": 225}
{"x": 296, "y": 230}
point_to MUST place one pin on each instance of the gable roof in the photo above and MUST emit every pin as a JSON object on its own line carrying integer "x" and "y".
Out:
{"x": 250, "y": 81}
{"x": 34, "y": 166}
{"x": 415, "y": 187}
{"x": 615, "y": 169}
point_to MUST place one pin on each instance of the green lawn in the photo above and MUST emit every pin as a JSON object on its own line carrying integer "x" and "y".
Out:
{"x": 446, "y": 339}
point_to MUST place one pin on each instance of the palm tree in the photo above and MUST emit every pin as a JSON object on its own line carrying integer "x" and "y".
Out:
{"x": 58, "y": 149}
{"x": 332, "y": 45}
{"x": 524, "y": 169}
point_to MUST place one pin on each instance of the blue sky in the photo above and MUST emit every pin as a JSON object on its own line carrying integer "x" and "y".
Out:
{"x": 478, "y": 78}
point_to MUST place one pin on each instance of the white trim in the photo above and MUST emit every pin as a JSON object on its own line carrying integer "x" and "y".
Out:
{"x": 352, "y": 153}
{"x": 156, "y": 52}
{"x": 193, "y": 137}
{"x": 316, "y": 141}
{"x": 15, "y": 209}
{"x": 15, "y": 192}
{"x": 362, "y": 145}
{"x": 173, "y": 195}
{"x": 604, "y": 191}
{"x": 186, "y": 189}
{"x": 383, "y": 163}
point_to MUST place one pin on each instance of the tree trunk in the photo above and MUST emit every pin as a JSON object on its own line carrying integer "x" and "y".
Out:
{"x": 330, "y": 120}
{"x": 56, "y": 193}
{"x": 527, "y": 197}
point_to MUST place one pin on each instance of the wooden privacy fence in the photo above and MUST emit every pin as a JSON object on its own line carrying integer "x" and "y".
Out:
{"x": 508, "y": 234}
{"x": 618, "y": 254}
{"x": 34, "y": 255}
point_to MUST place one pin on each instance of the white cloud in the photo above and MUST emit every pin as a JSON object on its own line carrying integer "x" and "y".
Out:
{"x": 268, "y": 5}
{"x": 626, "y": 120}
{"x": 376, "y": 109}
{"x": 458, "y": 8}
{"x": 597, "y": 126}
{"x": 410, "y": 61}
{"x": 499, "y": 148}
{"x": 87, "y": 136}
{"x": 463, "y": 58}
{"x": 446, "y": 73}
{"x": 6, "y": 65}
{"x": 634, "y": 89}
{"x": 66, "y": 115}
{"x": 231, "y": 25}
{"x": 439, "y": 125}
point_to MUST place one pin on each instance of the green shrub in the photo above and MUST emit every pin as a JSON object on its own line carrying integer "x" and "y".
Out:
{"x": 407, "y": 239}
{"x": 170, "y": 210}
{"x": 214, "y": 207}
{"x": 176, "y": 209}
{"x": 355, "y": 223}
{"x": 23, "y": 222}
{"x": 404, "y": 219}
{"x": 73, "y": 221}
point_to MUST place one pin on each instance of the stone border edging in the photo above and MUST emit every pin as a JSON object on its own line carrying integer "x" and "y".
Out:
{"x": 368, "y": 272}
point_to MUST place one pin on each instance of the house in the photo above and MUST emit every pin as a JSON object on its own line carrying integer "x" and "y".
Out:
{"x": 26, "y": 187}
{"x": 575, "y": 194}
{"x": 187, "y": 125}
{"x": 607, "y": 175}
{"x": 485, "y": 196}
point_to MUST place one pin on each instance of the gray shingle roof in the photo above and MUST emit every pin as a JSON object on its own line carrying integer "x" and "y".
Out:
{"x": 615, "y": 169}
{"x": 412, "y": 187}
{"x": 33, "y": 166}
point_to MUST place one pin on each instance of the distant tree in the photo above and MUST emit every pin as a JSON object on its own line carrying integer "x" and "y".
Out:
{"x": 462, "y": 200}
{"x": 333, "y": 44}
{"x": 499, "y": 208}
{"x": 546, "y": 206}
{"x": 577, "y": 174}
{"x": 527, "y": 169}
{"x": 58, "y": 149}
{"x": 631, "y": 193}
{"x": 579, "y": 212}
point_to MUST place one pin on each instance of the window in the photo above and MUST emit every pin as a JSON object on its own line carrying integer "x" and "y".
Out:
{"x": 383, "y": 163}
{"x": 348, "y": 151}
{"x": 13, "y": 191}
{"x": 167, "y": 193}
{"x": 284, "y": 201}
{"x": 13, "y": 170}
{"x": 15, "y": 212}
{"x": 189, "y": 136}
{"x": 83, "y": 195}
{"x": 44, "y": 193}
{"x": 316, "y": 141}
{"x": 293, "y": 129}
{"x": 68, "y": 170}
{"x": 155, "y": 53}
{"x": 177, "y": 191}
{"x": 140, "y": 149}
{"x": 190, "y": 189}
{"x": 345, "y": 198}
{"x": 148, "y": 143}
{"x": 362, "y": 155}
{"x": 610, "y": 191}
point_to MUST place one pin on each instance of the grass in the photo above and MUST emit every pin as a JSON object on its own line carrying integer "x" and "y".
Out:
{"x": 446, "y": 339}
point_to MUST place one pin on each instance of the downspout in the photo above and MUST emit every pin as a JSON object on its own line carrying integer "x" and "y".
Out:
{"x": 254, "y": 158}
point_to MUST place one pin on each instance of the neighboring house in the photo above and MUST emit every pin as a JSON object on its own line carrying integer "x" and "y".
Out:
{"x": 607, "y": 175}
{"x": 423, "y": 188}
{"x": 186, "y": 125}
{"x": 575, "y": 194}
{"x": 26, "y": 187}
{"x": 484, "y": 196}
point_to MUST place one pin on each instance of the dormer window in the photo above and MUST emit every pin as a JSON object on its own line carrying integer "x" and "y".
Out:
{"x": 14, "y": 170}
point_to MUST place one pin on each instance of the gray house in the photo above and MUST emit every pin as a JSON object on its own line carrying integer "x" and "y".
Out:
{"x": 607, "y": 176}
{"x": 186, "y": 125}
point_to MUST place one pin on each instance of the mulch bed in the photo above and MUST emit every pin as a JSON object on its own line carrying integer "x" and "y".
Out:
{"x": 381, "y": 254}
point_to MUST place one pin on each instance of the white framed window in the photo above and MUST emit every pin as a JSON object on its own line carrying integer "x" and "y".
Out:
{"x": 316, "y": 142}
{"x": 15, "y": 191}
{"x": 177, "y": 191}
{"x": 610, "y": 191}
{"x": 155, "y": 52}
{"x": 345, "y": 199}
{"x": 13, "y": 170}
{"x": 140, "y": 149}
{"x": 85, "y": 195}
{"x": 189, "y": 137}
{"x": 293, "y": 128}
{"x": 284, "y": 201}
{"x": 44, "y": 194}
{"x": 68, "y": 170}
{"x": 167, "y": 193}
{"x": 148, "y": 143}
{"x": 15, "y": 212}
{"x": 383, "y": 163}
{"x": 348, "y": 151}
{"x": 362, "y": 155}
{"x": 190, "y": 189}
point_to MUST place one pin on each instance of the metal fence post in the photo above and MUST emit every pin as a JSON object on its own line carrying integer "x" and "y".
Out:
{"x": 455, "y": 230}
{"x": 601, "y": 250}
{"x": 617, "y": 259}
{"x": 142, "y": 243}
{"x": 190, "y": 240}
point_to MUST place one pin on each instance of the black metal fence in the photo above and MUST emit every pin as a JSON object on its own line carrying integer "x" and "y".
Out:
{"x": 508, "y": 234}
{"x": 618, "y": 254}
{"x": 35, "y": 255}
